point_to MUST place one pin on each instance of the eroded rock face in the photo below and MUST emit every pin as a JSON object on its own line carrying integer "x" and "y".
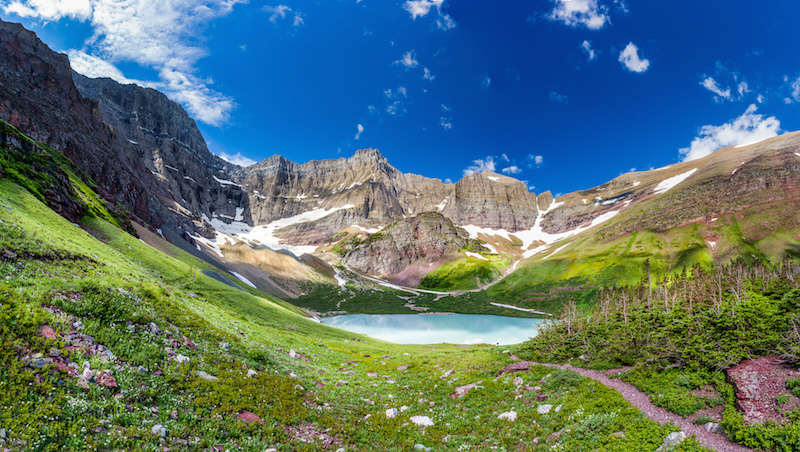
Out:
{"x": 427, "y": 237}
{"x": 757, "y": 383}
{"x": 163, "y": 137}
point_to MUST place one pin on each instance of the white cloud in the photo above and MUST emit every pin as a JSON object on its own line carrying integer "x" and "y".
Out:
{"x": 631, "y": 59}
{"x": 795, "y": 94}
{"x": 487, "y": 82}
{"x": 237, "y": 159}
{"x": 401, "y": 91}
{"x": 448, "y": 181}
{"x": 558, "y": 98}
{"x": 591, "y": 54}
{"x": 480, "y": 165}
{"x": 276, "y": 12}
{"x": 511, "y": 170}
{"x": 504, "y": 158}
{"x": 446, "y": 108}
{"x": 409, "y": 60}
{"x": 577, "y": 13}
{"x": 94, "y": 67}
{"x": 446, "y": 123}
{"x": 743, "y": 88}
{"x": 750, "y": 127}
{"x": 710, "y": 84}
{"x": 162, "y": 35}
{"x": 427, "y": 74}
{"x": 421, "y": 8}
{"x": 396, "y": 108}
{"x": 50, "y": 10}
{"x": 359, "y": 129}
{"x": 298, "y": 20}
{"x": 535, "y": 160}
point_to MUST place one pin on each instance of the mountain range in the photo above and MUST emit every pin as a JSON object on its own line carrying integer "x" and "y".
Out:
{"x": 287, "y": 227}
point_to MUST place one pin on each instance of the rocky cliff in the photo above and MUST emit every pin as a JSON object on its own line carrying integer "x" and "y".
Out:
{"x": 427, "y": 237}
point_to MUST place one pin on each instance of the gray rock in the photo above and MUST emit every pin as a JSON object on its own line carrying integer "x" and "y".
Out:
{"x": 391, "y": 412}
{"x": 508, "y": 415}
{"x": 205, "y": 376}
{"x": 159, "y": 430}
{"x": 421, "y": 447}
{"x": 713, "y": 427}
{"x": 2, "y": 433}
{"x": 672, "y": 440}
{"x": 182, "y": 359}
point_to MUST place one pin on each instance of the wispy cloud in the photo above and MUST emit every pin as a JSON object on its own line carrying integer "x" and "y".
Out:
{"x": 359, "y": 130}
{"x": 710, "y": 84}
{"x": 446, "y": 123}
{"x": 396, "y": 108}
{"x": 535, "y": 161}
{"x": 794, "y": 90}
{"x": 630, "y": 58}
{"x": 511, "y": 170}
{"x": 748, "y": 128}
{"x": 237, "y": 159}
{"x": 427, "y": 74}
{"x": 276, "y": 12}
{"x": 486, "y": 82}
{"x": 580, "y": 13}
{"x": 586, "y": 48}
{"x": 408, "y": 60}
{"x": 421, "y": 8}
{"x": 165, "y": 36}
{"x": 480, "y": 165}
{"x": 558, "y": 98}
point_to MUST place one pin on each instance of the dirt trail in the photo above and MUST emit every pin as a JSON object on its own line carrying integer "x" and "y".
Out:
{"x": 641, "y": 401}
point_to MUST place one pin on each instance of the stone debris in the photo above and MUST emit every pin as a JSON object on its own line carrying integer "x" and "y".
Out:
{"x": 205, "y": 376}
{"x": 714, "y": 427}
{"x": 510, "y": 416}
{"x": 251, "y": 373}
{"x": 461, "y": 391}
{"x": 391, "y": 412}
{"x": 671, "y": 441}
{"x": 758, "y": 382}
{"x": 517, "y": 366}
{"x": 518, "y": 382}
{"x": 544, "y": 409}
{"x": 448, "y": 373}
{"x": 159, "y": 430}
{"x": 402, "y": 368}
{"x": 421, "y": 447}
{"x": 249, "y": 417}
{"x": 424, "y": 421}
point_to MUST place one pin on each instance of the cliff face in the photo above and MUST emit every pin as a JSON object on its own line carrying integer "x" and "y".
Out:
{"x": 37, "y": 95}
{"x": 427, "y": 237}
{"x": 163, "y": 137}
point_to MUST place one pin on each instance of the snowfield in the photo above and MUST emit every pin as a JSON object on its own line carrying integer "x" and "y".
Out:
{"x": 671, "y": 182}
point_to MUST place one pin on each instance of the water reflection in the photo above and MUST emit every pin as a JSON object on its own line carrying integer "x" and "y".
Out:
{"x": 438, "y": 328}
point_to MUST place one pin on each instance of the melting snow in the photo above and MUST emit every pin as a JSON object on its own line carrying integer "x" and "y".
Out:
{"x": 225, "y": 182}
{"x": 133, "y": 142}
{"x": 713, "y": 244}
{"x": 663, "y": 168}
{"x": 264, "y": 234}
{"x": 475, "y": 255}
{"x": 636, "y": 182}
{"x": 340, "y": 278}
{"x": 496, "y": 179}
{"x": 797, "y": 154}
{"x": 172, "y": 168}
{"x": 244, "y": 280}
{"x": 189, "y": 178}
{"x": 671, "y": 182}
{"x": 491, "y": 248}
{"x": 239, "y": 216}
{"x": 363, "y": 229}
{"x": 440, "y": 207}
{"x": 750, "y": 143}
{"x": 161, "y": 233}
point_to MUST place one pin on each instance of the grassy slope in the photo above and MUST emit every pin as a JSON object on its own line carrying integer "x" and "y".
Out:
{"x": 118, "y": 281}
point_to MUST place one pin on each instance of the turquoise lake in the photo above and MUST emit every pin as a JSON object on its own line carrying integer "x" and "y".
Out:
{"x": 438, "y": 328}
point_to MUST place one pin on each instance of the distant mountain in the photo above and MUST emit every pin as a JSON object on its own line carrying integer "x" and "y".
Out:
{"x": 147, "y": 157}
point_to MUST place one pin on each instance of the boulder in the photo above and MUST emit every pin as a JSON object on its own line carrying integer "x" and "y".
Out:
{"x": 671, "y": 441}
{"x": 424, "y": 421}
{"x": 510, "y": 416}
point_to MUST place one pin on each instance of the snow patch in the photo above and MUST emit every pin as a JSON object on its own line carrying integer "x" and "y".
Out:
{"x": 172, "y": 168}
{"x": 441, "y": 206}
{"x": 226, "y": 182}
{"x": 363, "y": 229}
{"x": 750, "y": 143}
{"x": 797, "y": 154}
{"x": 244, "y": 280}
{"x": 189, "y": 178}
{"x": 492, "y": 249}
{"x": 239, "y": 216}
{"x": 556, "y": 251}
{"x": 340, "y": 278}
{"x": 663, "y": 168}
{"x": 636, "y": 183}
{"x": 161, "y": 233}
{"x": 264, "y": 234}
{"x": 475, "y": 255}
{"x": 475, "y": 230}
{"x": 671, "y": 182}
{"x": 496, "y": 179}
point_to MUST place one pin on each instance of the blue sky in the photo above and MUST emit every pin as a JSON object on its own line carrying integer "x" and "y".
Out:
{"x": 562, "y": 94}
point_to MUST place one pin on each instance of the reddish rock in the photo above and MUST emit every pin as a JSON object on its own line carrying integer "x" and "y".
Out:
{"x": 105, "y": 379}
{"x": 461, "y": 391}
{"x": 47, "y": 332}
{"x": 757, "y": 383}
{"x": 249, "y": 417}
{"x": 188, "y": 343}
{"x": 517, "y": 366}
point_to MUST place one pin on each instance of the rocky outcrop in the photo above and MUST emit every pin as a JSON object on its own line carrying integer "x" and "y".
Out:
{"x": 427, "y": 237}
{"x": 758, "y": 382}
{"x": 165, "y": 139}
